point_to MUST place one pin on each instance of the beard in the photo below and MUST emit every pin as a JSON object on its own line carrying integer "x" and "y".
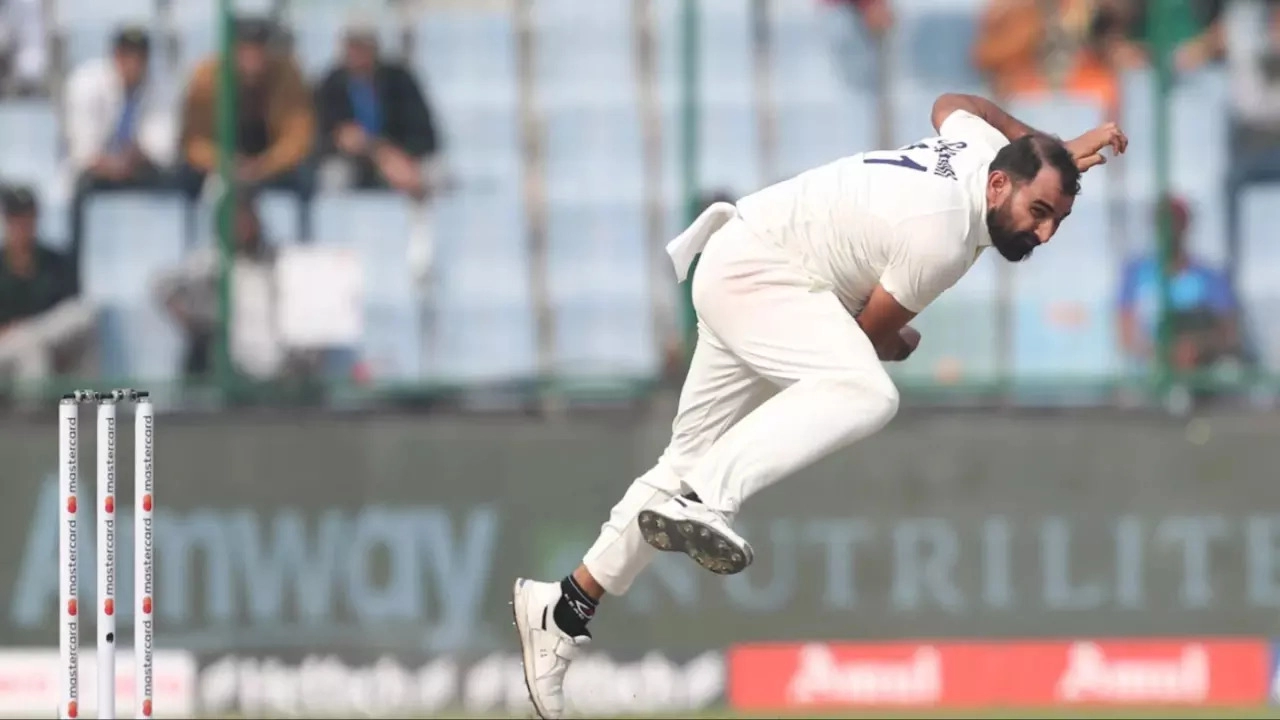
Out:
{"x": 1013, "y": 244}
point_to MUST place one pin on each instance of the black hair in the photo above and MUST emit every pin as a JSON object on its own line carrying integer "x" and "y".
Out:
{"x": 1023, "y": 158}
{"x": 131, "y": 38}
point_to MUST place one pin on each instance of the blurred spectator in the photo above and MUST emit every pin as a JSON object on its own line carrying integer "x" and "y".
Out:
{"x": 118, "y": 135}
{"x": 1189, "y": 25}
{"x": 44, "y": 325}
{"x": 190, "y": 292}
{"x": 1202, "y": 305}
{"x": 376, "y": 127}
{"x": 1251, "y": 36}
{"x": 275, "y": 122}
{"x": 24, "y": 56}
{"x": 1028, "y": 47}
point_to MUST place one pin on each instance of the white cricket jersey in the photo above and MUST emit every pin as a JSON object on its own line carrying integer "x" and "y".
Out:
{"x": 912, "y": 220}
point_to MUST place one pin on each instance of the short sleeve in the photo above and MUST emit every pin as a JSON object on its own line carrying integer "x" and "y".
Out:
{"x": 964, "y": 125}
{"x": 931, "y": 257}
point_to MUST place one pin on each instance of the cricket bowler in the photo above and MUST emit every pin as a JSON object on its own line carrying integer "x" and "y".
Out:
{"x": 804, "y": 289}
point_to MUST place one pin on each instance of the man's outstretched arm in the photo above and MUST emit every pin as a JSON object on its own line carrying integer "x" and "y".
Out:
{"x": 1086, "y": 149}
{"x": 1006, "y": 124}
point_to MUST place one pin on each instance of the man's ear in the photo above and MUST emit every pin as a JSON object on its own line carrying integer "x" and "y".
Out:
{"x": 999, "y": 184}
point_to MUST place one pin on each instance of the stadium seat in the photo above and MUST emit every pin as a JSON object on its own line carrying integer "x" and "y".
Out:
{"x": 726, "y": 68}
{"x": 1259, "y": 268}
{"x": 934, "y": 46}
{"x": 377, "y": 225}
{"x": 1064, "y": 300}
{"x": 482, "y": 140}
{"x": 582, "y": 56}
{"x": 1198, "y": 129}
{"x": 467, "y": 56}
{"x": 483, "y": 303}
{"x": 130, "y": 238}
{"x": 811, "y": 133}
{"x": 729, "y": 146}
{"x": 29, "y": 142}
{"x": 601, "y": 294}
{"x": 277, "y": 210}
{"x": 806, "y": 64}
{"x": 107, "y": 15}
{"x": 593, "y": 152}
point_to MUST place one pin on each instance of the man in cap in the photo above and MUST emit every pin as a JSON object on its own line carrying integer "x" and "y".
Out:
{"x": 376, "y": 127}
{"x": 43, "y": 324}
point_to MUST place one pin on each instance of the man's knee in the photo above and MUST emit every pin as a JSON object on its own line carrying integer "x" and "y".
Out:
{"x": 875, "y": 398}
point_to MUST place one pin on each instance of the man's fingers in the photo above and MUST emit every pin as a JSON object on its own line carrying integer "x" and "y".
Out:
{"x": 1090, "y": 161}
{"x": 1119, "y": 143}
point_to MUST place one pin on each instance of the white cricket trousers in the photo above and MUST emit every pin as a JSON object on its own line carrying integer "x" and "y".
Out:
{"x": 781, "y": 376}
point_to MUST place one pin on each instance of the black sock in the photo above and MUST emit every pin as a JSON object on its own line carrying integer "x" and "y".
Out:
{"x": 575, "y": 608}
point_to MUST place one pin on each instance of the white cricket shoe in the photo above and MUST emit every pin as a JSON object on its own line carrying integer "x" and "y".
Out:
{"x": 545, "y": 649}
{"x": 684, "y": 525}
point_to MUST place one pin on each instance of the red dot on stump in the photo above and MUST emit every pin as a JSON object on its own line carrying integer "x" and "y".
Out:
{"x": 146, "y": 503}
{"x": 109, "y": 606}
{"x": 110, "y": 504}
{"x": 71, "y": 504}
{"x": 72, "y": 607}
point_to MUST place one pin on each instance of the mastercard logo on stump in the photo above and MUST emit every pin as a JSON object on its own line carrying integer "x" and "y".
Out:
{"x": 109, "y": 606}
{"x": 146, "y": 707}
{"x": 146, "y": 605}
{"x": 71, "y": 504}
{"x": 72, "y": 607}
{"x": 146, "y": 503}
{"x": 73, "y": 709}
{"x": 110, "y": 504}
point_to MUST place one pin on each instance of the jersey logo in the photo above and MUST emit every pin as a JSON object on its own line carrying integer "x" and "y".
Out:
{"x": 935, "y": 153}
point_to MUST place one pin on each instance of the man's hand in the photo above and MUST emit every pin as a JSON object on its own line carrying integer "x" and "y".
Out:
{"x": 351, "y": 139}
{"x": 111, "y": 167}
{"x": 400, "y": 170}
{"x": 1087, "y": 148}
{"x": 910, "y": 341}
{"x": 884, "y": 321}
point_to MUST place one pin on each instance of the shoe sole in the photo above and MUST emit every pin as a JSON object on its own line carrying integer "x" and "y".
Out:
{"x": 708, "y": 547}
{"x": 520, "y": 618}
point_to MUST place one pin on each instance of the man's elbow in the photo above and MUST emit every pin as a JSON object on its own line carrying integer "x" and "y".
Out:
{"x": 946, "y": 104}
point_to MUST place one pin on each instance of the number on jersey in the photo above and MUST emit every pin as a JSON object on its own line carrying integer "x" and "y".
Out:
{"x": 920, "y": 157}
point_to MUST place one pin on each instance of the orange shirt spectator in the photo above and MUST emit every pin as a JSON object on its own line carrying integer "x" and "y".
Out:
{"x": 1029, "y": 47}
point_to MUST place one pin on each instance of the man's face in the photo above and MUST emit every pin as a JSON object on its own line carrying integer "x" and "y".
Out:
{"x": 251, "y": 61}
{"x": 1023, "y": 216}
{"x": 20, "y": 229}
{"x": 133, "y": 67}
{"x": 361, "y": 55}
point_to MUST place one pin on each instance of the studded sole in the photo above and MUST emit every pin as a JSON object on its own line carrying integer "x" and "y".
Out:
{"x": 704, "y": 544}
